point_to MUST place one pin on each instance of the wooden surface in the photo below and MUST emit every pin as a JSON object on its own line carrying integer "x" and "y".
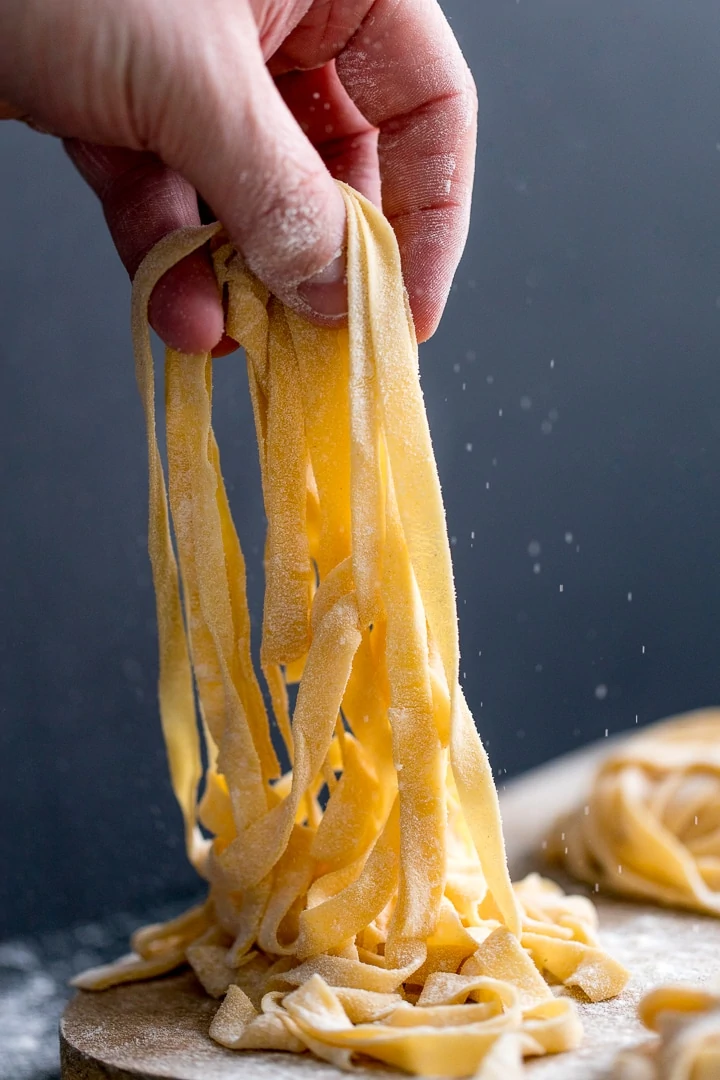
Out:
{"x": 159, "y": 1029}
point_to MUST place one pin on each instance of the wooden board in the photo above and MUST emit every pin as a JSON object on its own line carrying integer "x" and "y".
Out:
{"x": 159, "y": 1029}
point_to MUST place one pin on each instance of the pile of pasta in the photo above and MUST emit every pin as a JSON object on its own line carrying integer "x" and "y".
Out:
{"x": 687, "y": 1022}
{"x": 359, "y": 899}
{"x": 651, "y": 825}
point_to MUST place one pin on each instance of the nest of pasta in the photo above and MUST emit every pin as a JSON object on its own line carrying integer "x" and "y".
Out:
{"x": 359, "y": 901}
{"x": 686, "y": 1023}
{"x": 650, "y": 828}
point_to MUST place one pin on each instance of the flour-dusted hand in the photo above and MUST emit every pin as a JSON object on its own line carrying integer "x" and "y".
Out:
{"x": 255, "y": 105}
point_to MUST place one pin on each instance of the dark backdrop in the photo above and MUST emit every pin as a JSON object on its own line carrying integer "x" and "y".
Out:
{"x": 574, "y": 396}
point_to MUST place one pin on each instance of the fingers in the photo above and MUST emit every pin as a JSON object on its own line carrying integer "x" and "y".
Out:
{"x": 232, "y": 135}
{"x": 406, "y": 73}
{"x": 143, "y": 200}
{"x": 343, "y": 137}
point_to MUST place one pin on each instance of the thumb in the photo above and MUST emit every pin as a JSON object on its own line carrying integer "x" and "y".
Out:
{"x": 229, "y": 132}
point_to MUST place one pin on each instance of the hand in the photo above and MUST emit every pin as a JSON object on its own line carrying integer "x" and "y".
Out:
{"x": 254, "y": 105}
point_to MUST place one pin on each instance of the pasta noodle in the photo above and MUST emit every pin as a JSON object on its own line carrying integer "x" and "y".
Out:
{"x": 651, "y": 826}
{"x": 687, "y": 1022}
{"x": 359, "y": 904}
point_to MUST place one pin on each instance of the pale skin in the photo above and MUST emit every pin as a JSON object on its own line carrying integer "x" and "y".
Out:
{"x": 255, "y": 105}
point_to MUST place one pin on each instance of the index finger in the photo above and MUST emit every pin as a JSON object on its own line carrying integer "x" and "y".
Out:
{"x": 406, "y": 73}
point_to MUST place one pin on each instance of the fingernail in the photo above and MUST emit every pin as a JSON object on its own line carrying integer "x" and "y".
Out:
{"x": 326, "y": 291}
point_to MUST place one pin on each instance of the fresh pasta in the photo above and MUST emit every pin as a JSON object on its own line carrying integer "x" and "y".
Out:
{"x": 651, "y": 826}
{"x": 359, "y": 902}
{"x": 687, "y": 1023}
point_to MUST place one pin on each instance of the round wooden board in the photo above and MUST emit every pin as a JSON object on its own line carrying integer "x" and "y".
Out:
{"x": 159, "y": 1029}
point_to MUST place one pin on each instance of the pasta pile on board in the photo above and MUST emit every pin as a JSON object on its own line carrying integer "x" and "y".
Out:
{"x": 651, "y": 825}
{"x": 359, "y": 901}
{"x": 687, "y": 1025}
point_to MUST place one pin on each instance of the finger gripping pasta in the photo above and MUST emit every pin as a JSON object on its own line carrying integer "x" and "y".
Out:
{"x": 384, "y": 924}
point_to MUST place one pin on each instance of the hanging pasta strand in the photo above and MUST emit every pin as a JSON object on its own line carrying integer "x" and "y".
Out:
{"x": 189, "y": 399}
{"x": 175, "y": 685}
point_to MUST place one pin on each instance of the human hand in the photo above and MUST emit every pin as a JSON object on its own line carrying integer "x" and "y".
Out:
{"x": 254, "y": 105}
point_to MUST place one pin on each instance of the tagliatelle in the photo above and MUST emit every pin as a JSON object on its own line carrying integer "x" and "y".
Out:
{"x": 687, "y": 1022}
{"x": 651, "y": 826}
{"x": 384, "y": 924}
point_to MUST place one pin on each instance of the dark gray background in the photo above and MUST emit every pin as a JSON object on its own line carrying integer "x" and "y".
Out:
{"x": 576, "y": 372}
